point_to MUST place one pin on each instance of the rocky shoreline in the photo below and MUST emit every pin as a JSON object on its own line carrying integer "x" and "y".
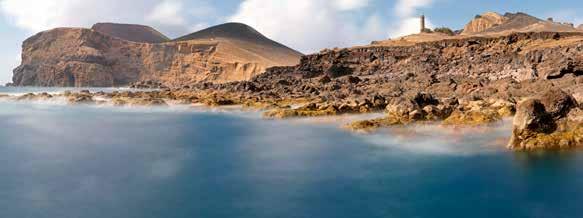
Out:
{"x": 536, "y": 77}
{"x": 553, "y": 120}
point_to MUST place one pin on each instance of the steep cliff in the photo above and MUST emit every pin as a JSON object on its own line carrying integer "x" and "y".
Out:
{"x": 114, "y": 55}
{"x": 491, "y": 23}
{"x": 521, "y": 56}
{"x": 483, "y": 22}
{"x": 515, "y": 65}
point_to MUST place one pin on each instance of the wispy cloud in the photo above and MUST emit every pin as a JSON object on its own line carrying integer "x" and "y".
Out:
{"x": 407, "y": 20}
{"x": 168, "y": 12}
{"x": 566, "y": 15}
{"x": 170, "y": 16}
{"x": 406, "y": 8}
{"x": 306, "y": 25}
{"x": 309, "y": 25}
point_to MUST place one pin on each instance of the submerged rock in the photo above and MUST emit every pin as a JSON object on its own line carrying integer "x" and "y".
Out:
{"x": 84, "y": 97}
{"x": 122, "y": 101}
{"x": 34, "y": 97}
{"x": 472, "y": 117}
{"x": 371, "y": 125}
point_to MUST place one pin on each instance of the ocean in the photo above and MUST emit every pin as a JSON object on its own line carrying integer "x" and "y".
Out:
{"x": 64, "y": 161}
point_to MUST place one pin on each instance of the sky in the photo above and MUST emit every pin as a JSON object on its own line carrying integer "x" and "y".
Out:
{"x": 305, "y": 25}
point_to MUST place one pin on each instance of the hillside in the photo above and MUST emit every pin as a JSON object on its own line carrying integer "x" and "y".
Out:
{"x": 131, "y": 32}
{"x": 245, "y": 43}
{"x": 521, "y": 22}
{"x": 489, "y": 24}
{"x": 121, "y": 54}
{"x": 483, "y": 22}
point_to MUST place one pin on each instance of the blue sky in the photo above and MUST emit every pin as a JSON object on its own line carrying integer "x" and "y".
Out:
{"x": 306, "y": 25}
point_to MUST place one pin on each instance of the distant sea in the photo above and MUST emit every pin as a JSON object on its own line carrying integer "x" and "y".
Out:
{"x": 181, "y": 162}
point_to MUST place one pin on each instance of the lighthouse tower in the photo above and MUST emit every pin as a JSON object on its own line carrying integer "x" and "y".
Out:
{"x": 422, "y": 24}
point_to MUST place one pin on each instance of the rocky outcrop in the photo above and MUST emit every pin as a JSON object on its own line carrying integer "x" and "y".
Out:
{"x": 107, "y": 56}
{"x": 551, "y": 121}
{"x": 483, "y": 22}
{"x": 468, "y": 81}
{"x": 495, "y": 24}
{"x": 520, "y": 56}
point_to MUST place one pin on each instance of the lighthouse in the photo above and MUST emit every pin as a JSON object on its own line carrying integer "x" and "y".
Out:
{"x": 422, "y": 23}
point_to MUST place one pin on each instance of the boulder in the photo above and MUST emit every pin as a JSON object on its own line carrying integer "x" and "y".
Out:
{"x": 401, "y": 107}
{"x": 424, "y": 99}
{"x": 558, "y": 103}
{"x": 325, "y": 79}
{"x": 551, "y": 122}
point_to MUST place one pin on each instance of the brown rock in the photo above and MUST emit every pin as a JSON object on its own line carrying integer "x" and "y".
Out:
{"x": 533, "y": 126}
{"x": 80, "y": 98}
{"x": 483, "y": 22}
{"x": 558, "y": 103}
{"x": 104, "y": 57}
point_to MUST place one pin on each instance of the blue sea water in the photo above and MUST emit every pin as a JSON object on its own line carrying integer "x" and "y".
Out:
{"x": 179, "y": 162}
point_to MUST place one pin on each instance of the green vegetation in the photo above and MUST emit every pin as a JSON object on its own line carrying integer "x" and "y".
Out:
{"x": 444, "y": 30}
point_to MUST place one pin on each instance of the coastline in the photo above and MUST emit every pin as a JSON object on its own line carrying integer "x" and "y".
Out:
{"x": 454, "y": 82}
{"x": 365, "y": 119}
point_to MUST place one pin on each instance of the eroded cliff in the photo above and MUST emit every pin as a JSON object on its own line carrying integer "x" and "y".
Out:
{"x": 86, "y": 57}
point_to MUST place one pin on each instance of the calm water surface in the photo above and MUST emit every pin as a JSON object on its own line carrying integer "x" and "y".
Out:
{"x": 94, "y": 162}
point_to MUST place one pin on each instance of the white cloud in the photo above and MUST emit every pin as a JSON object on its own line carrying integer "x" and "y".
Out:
{"x": 34, "y": 15}
{"x": 566, "y": 15}
{"x": 167, "y": 12}
{"x": 350, "y": 4}
{"x": 408, "y": 22}
{"x": 406, "y": 8}
{"x": 306, "y": 25}
{"x": 408, "y": 26}
{"x": 39, "y": 15}
{"x": 311, "y": 25}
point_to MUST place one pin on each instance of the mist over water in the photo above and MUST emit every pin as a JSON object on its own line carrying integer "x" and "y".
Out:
{"x": 89, "y": 161}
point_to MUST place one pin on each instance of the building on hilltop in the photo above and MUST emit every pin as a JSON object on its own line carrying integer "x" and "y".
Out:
{"x": 422, "y": 24}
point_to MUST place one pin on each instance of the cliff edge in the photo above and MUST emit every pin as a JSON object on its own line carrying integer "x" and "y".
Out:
{"x": 120, "y": 54}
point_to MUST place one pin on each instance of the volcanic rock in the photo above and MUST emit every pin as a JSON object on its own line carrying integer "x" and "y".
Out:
{"x": 117, "y": 55}
{"x": 483, "y": 22}
{"x": 550, "y": 122}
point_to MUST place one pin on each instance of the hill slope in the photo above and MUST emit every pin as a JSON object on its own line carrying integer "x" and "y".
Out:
{"x": 521, "y": 22}
{"x": 242, "y": 42}
{"x": 483, "y": 22}
{"x": 131, "y": 32}
{"x": 120, "y": 54}
{"x": 489, "y": 24}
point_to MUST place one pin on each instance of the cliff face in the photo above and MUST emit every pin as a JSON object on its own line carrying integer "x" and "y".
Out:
{"x": 85, "y": 57}
{"x": 518, "y": 56}
{"x": 483, "y": 22}
{"x": 491, "y": 23}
